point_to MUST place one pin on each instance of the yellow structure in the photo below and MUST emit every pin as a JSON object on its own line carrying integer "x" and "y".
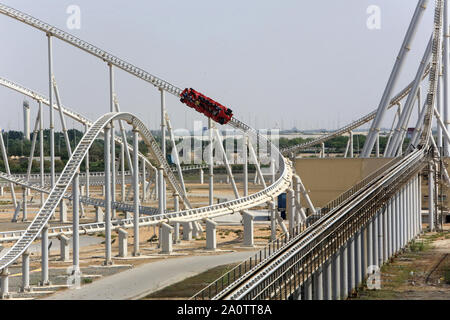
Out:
{"x": 326, "y": 178}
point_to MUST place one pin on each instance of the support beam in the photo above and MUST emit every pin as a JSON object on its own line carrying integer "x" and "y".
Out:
{"x": 405, "y": 48}
{"x": 107, "y": 162}
{"x": 76, "y": 222}
{"x": 136, "y": 191}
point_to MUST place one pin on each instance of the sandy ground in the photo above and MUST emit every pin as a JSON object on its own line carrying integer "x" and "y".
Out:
{"x": 417, "y": 274}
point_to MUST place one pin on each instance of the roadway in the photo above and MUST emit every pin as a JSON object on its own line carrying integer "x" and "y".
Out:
{"x": 140, "y": 281}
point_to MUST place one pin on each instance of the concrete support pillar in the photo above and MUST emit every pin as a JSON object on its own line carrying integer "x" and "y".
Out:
{"x": 4, "y": 282}
{"x": 63, "y": 211}
{"x": 123, "y": 242}
{"x": 318, "y": 284}
{"x": 64, "y": 248}
{"x": 176, "y": 233}
{"x": 358, "y": 258}
{"x": 344, "y": 271}
{"x": 328, "y": 279}
{"x": 384, "y": 241}
{"x": 375, "y": 238}
{"x": 166, "y": 238}
{"x": 99, "y": 214}
{"x": 201, "y": 176}
{"x": 308, "y": 289}
{"x": 44, "y": 257}
{"x": 336, "y": 284}
{"x": 211, "y": 242}
{"x": 25, "y": 287}
{"x": 187, "y": 231}
{"x": 397, "y": 223}
{"x": 420, "y": 203}
{"x": 196, "y": 230}
{"x": 248, "y": 229}
{"x": 351, "y": 265}
{"x": 369, "y": 241}
{"x": 273, "y": 221}
{"x": 2, "y": 191}
{"x": 363, "y": 246}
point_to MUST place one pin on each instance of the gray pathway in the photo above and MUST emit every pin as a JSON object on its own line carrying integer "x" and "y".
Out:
{"x": 147, "y": 278}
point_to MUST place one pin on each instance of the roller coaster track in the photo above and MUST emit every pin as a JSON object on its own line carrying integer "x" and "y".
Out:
{"x": 249, "y": 285}
{"x": 86, "y": 200}
{"x": 304, "y": 253}
{"x": 355, "y": 124}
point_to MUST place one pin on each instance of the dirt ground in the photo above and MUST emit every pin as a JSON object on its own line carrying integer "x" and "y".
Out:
{"x": 422, "y": 272}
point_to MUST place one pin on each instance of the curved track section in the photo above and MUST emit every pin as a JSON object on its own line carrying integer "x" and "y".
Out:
{"x": 355, "y": 124}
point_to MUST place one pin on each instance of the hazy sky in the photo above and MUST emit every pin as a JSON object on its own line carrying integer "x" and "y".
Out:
{"x": 311, "y": 64}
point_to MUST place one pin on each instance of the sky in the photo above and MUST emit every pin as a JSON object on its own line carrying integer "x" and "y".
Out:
{"x": 289, "y": 63}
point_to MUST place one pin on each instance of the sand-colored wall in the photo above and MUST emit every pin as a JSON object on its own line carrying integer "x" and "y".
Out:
{"x": 327, "y": 178}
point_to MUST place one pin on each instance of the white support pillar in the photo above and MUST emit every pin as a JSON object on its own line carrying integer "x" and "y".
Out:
{"x": 4, "y": 284}
{"x": 201, "y": 176}
{"x": 187, "y": 231}
{"x": 44, "y": 257}
{"x": 211, "y": 162}
{"x": 166, "y": 238}
{"x": 24, "y": 204}
{"x": 351, "y": 265}
{"x": 123, "y": 242}
{"x": 25, "y": 272}
{"x": 76, "y": 222}
{"x": 211, "y": 239}
{"x": 358, "y": 259}
{"x": 344, "y": 271}
{"x": 431, "y": 197}
{"x": 99, "y": 215}
{"x": 375, "y": 239}
{"x": 273, "y": 221}
{"x": 336, "y": 266}
{"x": 327, "y": 284}
{"x": 248, "y": 228}
{"x": 351, "y": 144}
{"x": 64, "y": 249}
{"x": 318, "y": 284}
{"x": 52, "y": 125}
{"x": 290, "y": 208}
{"x": 136, "y": 191}
{"x": 107, "y": 162}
